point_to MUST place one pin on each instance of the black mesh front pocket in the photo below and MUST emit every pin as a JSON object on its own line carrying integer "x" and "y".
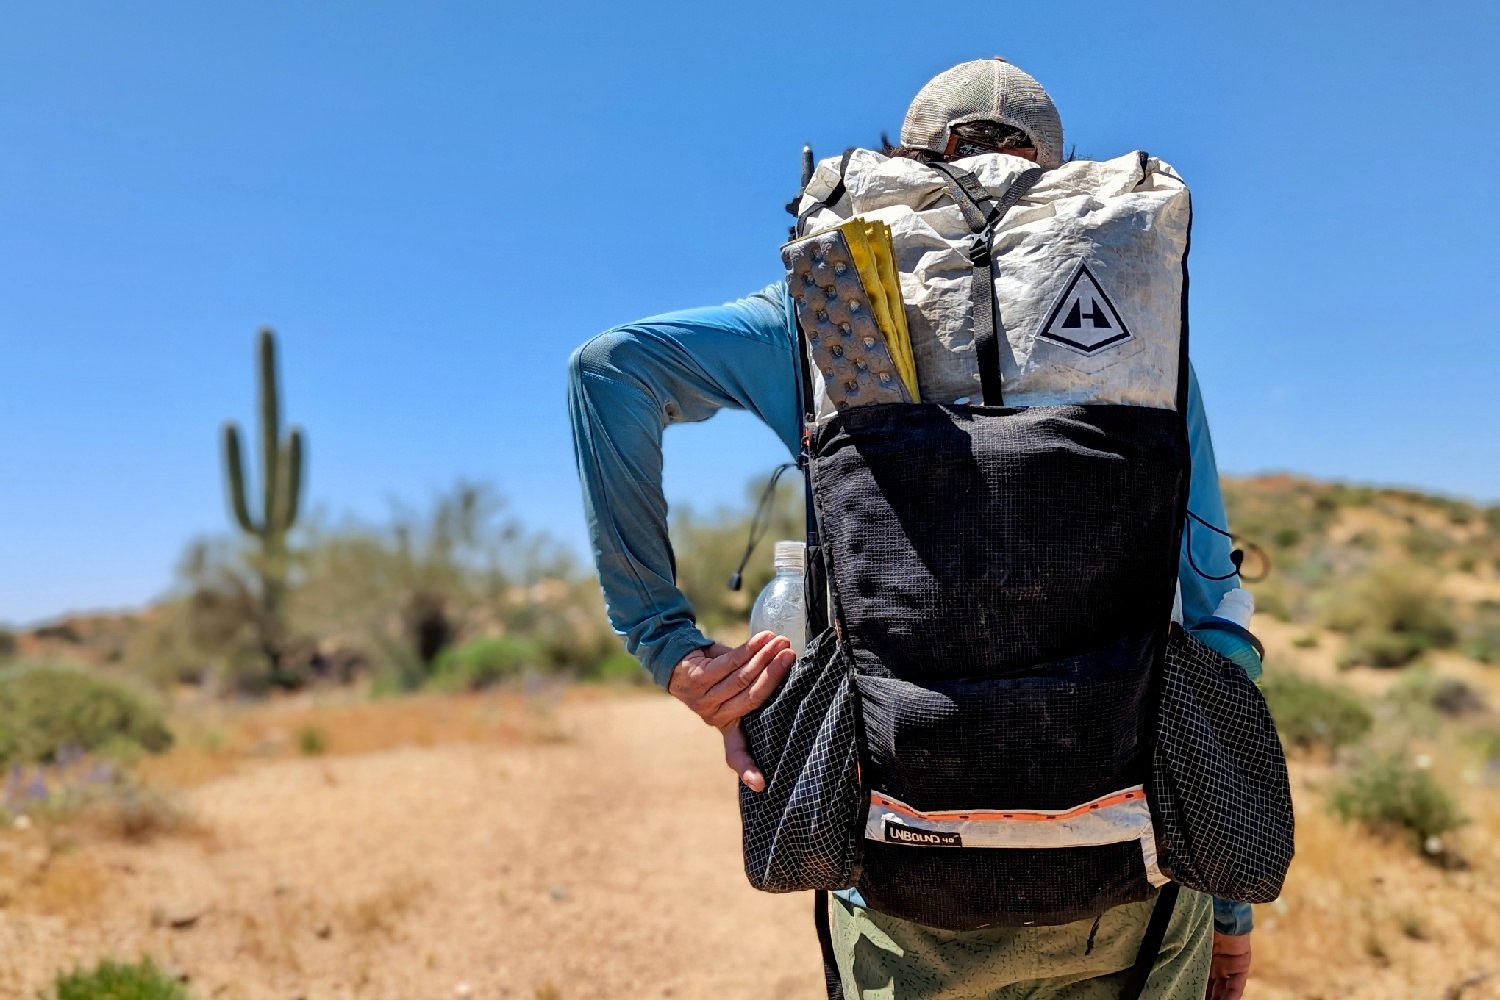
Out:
{"x": 802, "y": 832}
{"x": 1013, "y": 800}
{"x": 964, "y": 890}
{"x": 1219, "y": 790}
{"x": 973, "y": 541}
{"x": 1063, "y": 733}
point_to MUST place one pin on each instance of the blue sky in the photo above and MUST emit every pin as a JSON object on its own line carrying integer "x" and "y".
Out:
{"x": 434, "y": 203}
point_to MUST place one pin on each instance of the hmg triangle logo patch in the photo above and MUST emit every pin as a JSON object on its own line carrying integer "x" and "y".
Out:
{"x": 1084, "y": 319}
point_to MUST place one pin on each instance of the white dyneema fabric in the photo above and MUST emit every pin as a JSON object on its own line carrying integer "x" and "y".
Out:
{"x": 1088, "y": 272}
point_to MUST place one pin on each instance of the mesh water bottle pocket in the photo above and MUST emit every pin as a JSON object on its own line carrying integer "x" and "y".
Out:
{"x": 1219, "y": 782}
{"x": 802, "y": 832}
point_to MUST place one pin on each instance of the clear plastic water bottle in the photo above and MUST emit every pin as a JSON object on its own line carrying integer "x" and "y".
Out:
{"x": 1227, "y": 631}
{"x": 781, "y": 608}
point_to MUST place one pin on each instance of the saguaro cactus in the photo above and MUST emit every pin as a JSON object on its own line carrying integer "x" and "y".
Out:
{"x": 281, "y": 489}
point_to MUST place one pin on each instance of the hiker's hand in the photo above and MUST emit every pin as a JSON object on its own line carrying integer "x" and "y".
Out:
{"x": 722, "y": 684}
{"x": 1230, "y": 967}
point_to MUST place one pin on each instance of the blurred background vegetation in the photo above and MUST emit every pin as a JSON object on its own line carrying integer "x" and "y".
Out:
{"x": 1381, "y": 610}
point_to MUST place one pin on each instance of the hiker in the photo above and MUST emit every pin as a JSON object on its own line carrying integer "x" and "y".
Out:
{"x": 628, "y": 384}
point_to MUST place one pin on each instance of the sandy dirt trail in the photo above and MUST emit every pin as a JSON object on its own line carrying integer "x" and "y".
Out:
{"x": 604, "y": 865}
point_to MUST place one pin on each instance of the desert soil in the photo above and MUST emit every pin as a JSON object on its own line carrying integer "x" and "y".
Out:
{"x": 604, "y": 864}
{"x": 451, "y": 848}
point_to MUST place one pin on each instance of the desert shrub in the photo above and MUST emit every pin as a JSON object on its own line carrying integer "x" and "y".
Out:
{"x": 618, "y": 667}
{"x": 61, "y": 631}
{"x": 311, "y": 741}
{"x": 405, "y": 594}
{"x": 1392, "y": 615}
{"x": 1388, "y": 795}
{"x": 7, "y": 644}
{"x": 1422, "y": 698}
{"x": 482, "y": 663}
{"x": 709, "y": 548}
{"x": 111, "y": 980}
{"x": 1309, "y": 714}
{"x": 1482, "y": 633}
{"x": 50, "y": 708}
{"x": 1427, "y": 544}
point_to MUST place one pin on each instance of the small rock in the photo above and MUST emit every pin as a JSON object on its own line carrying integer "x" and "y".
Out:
{"x": 1433, "y": 845}
{"x": 462, "y": 990}
{"x": 179, "y": 918}
{"x": 1423, "y": 761}
{"x": 21, "y": 822}
{"x": 324, "y": 931}
{"x": 558, "y": 893}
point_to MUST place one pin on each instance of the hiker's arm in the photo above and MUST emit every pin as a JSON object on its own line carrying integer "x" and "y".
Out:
{"x": 624, "y": 387}
{"x": 1210, "y": 550}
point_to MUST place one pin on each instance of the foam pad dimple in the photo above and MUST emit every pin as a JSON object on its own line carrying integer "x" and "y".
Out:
{"x": 844, "y": 341}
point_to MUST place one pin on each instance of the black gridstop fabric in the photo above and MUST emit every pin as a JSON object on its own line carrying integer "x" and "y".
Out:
{"x": 959, "y": 889}
{"x": 803, "y": 830}
{"x": 1064, "y": 733}
{"x": 1221, "y": 803}
{"x": 973, "y": 541}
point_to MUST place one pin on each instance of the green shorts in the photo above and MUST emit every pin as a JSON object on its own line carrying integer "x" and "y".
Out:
{"x": 882, "y": 958}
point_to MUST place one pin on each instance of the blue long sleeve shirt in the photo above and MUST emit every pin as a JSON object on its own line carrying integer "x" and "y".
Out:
{"x": 627, "y": 385}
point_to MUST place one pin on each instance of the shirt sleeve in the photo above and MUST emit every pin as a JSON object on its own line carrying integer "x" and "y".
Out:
{"x": 625, "y": 387}
{"x": 1205, "y": 552}
{"x": 1208, "y": 551}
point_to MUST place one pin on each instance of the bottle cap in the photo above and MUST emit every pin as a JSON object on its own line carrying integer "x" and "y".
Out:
{"x": 1237, "y": 606}
{"x": 789, "y": 555}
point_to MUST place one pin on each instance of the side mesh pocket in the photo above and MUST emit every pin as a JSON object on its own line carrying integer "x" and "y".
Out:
{"x": 1219, "y": 788}
{"x": 802, "y": 831}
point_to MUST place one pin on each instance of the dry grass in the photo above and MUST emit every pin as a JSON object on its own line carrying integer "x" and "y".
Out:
{"x": 216, "y": 741}
{"x": 43, "y": 872}
{"x": 379, "y": 915}
{"x": 1357, "y": 903}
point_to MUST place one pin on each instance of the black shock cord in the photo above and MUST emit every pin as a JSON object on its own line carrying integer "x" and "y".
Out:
{"x": 1236, "y": 556}
{"x": 759, "y": 523}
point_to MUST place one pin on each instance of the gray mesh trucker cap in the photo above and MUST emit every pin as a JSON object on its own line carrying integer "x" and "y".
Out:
{"x": 984, "y": 90}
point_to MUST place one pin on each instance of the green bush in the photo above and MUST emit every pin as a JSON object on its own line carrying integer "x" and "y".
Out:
{"x": 1309, "y": 714}
{"x": 1387, "y": 794}
{"x": 311, "y": 741}
{"x": 48, "y": 709}
{"x": 618, "y": 667}
{"x": 1392, "y": 615}
{"x": 110, "y": 980}
{"x": 1423, "y": 699}
{"x": 481, "y": 663}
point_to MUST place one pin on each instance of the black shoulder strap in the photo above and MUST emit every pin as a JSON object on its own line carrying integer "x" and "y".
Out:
{"x": 832, "y": 981}
{"x": 1156, "y": 932}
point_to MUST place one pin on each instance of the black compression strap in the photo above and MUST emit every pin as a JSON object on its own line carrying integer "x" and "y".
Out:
{"x": 1156, "y": 932}
{"x": 983, "y": 213}
{"x": 832, "y": 197}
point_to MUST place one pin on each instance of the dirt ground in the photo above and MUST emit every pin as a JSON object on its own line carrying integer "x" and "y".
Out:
{"x": 604, "y": 864}
{"x": 597, "y": 857}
